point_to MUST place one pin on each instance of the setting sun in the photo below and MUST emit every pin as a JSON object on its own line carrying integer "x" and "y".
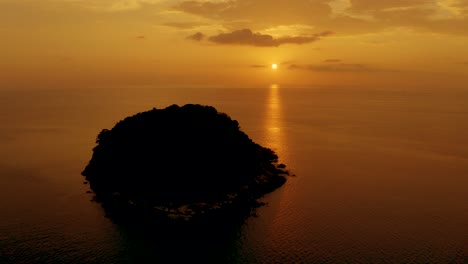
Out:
{"x": 274, "y": 66}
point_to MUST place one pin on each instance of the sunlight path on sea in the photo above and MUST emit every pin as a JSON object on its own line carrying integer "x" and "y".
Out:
{"x": 273, "y": 120}
{"x": 274, "y": 218}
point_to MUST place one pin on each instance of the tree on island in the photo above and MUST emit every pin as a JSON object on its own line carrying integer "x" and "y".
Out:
{"x": 180, "y": 163}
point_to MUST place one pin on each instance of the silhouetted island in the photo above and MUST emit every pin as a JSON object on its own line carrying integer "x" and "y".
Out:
{"x": 180, "y": 164}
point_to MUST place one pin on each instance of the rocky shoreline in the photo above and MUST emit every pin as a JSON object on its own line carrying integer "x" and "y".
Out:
{"x": 239, "y": 205}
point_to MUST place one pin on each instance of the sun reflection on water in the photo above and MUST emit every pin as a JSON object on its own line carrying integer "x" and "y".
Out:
{"x": 275, "y": 220}
{"x": 273, "y": 117}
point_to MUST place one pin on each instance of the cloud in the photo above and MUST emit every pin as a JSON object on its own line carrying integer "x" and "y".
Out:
{"x": 124, "y": 5}
{"x": 367, "y": 5}
{"x": 335, "y": 67}
{"x": 258, "y": 66}
{"x": 344, "y": 16}
{"x": 141, "y": 37}
{"x": 257, "y": 12}
{"x": 197, "y": 36}
{"x": 184, "y": 25}
{"x": 248, "y": 37}
{"x": 107, "y": 5}
{"x": 332, "y": 61}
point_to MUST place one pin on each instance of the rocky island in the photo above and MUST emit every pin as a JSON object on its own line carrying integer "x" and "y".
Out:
{"x": 180, "y": 164}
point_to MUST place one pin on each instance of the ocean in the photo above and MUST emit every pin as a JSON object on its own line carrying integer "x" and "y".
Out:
{"x": 380, "y": 176}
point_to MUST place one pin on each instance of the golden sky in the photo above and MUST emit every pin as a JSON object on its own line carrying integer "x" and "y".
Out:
{"x": 88, "y": 43}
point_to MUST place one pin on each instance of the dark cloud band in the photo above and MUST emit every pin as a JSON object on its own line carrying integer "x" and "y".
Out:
{"x": 250, "y": 38}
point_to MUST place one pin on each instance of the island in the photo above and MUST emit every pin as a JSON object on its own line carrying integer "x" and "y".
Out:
{"x": 180, "y": 164}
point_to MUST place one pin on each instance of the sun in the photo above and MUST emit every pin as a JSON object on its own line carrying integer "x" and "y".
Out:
{"x": 274, "y": 66}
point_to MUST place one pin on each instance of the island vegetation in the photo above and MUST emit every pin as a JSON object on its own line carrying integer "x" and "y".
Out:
{"x": 180, "y": 164}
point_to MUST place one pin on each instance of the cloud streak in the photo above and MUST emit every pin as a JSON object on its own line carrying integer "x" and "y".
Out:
{"x": 184, "y": 25}
{"x": 332, "y": 61}
{"x": 249, "y": 38}
{"x": 197, "y": 36}
{"x": 124, "y": 5}
{"x": 333, "y": 67}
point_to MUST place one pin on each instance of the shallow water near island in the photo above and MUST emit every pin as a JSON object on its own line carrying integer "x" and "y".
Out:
{"x": 381, "y": 176}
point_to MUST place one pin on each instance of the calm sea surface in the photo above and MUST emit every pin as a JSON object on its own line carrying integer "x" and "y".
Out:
{"x": 381, "y": 177}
